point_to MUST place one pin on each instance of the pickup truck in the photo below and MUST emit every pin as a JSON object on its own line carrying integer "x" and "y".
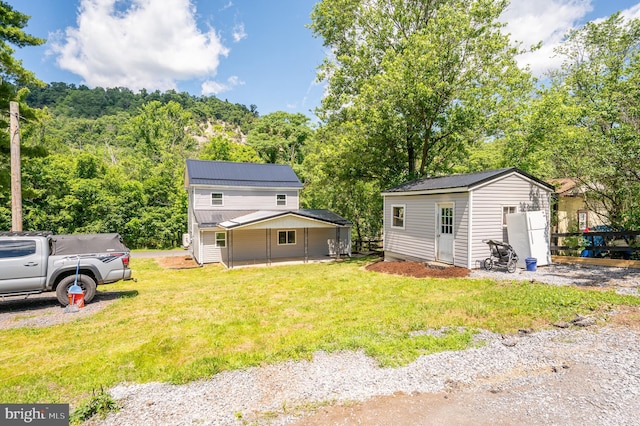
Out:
{"x": 35, "y": 262}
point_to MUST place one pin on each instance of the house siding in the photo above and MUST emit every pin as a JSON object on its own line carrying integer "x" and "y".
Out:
{"x": 240, "y": 199}
{"x": 418, "y": 238}
{"x": 211, "y": 253}
{"x": 488, "y": 202}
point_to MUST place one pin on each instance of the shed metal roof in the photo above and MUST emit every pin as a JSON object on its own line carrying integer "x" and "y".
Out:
{"x": 463, "y": 182}
{"x": 225, "y": 173}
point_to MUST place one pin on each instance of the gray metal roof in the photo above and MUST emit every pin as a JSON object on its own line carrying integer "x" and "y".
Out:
{"x": 211, "y": 218}
{"x": 462, "y": 181}
{"x": 225, "y": 173}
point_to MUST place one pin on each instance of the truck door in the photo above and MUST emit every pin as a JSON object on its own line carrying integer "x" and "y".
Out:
{"x": 22, "y": 265}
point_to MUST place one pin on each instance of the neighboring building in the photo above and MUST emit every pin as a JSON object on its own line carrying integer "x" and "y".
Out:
{"x": 248, "y": 213}
{"x": 573, "y": 215}
{"x": 447, "y": 218}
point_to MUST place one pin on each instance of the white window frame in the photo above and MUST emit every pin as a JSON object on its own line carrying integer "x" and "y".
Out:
{"x": 393, "y": 217}
{"x": 583, "y": 220}
{"x": 281, "y": 202}
{"x": 221, "y": 199}
{"x": 288, "y": 243}
{"x": 507, "y": 210}
{"x": 223, "y": 239}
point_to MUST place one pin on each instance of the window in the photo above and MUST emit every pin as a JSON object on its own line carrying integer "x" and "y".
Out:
{"x": 17, "y": 248}
{"x": 398, "y": 216}
{"x": 583, "y": 219}
{"x": 221, "y": 239}
{"x": 446, "y": 220}
{"x": 507, "y": 210}
{"x": 286, "y": 237}
{"x": 281, "y": 199}
{"x": 216, "y": 198}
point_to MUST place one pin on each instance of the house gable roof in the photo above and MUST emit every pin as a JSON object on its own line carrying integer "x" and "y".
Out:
{"x": 225, "y": 173}
{"x": 460, "y": 182}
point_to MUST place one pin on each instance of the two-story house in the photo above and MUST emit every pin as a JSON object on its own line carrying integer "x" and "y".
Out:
{"x": 248, "y": 213}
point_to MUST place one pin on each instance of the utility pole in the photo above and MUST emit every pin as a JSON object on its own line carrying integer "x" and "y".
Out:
{"x": 16, "y": 181}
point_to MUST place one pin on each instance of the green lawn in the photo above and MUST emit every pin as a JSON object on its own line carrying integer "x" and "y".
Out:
{"x": 181, "y": 325}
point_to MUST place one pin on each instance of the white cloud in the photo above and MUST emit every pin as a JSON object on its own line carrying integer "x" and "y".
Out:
{"x": 211, "y": 87}
{"x": 530, "y": 22}
{"x": 150, "y": 45}
{"x": 632, "y": 12}
{"x": 239, "y": 32}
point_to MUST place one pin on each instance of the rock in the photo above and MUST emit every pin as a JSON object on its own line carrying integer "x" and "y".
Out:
{"x": 561, "y": 324}
{"x": 581, "y": 321}
{"x": 586, "y": 322}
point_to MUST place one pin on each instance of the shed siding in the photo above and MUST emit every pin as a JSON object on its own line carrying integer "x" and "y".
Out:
{"x": 239, "y": 199}
{"x": 417, "y": 239}
{"x": 488, "y": 202}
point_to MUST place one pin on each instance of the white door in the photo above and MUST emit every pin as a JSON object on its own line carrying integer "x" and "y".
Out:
{"x": 444, "y": 233}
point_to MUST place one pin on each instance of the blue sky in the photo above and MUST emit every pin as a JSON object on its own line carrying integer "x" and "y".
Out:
{"x": 246, "y": 51}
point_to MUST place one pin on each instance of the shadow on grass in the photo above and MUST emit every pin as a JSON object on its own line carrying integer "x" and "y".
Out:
{"x": 36, "y": 302}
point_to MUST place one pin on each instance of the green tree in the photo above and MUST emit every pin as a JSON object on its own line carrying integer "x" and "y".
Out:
{"x": 423, "y": 79}
{"x": 12, "y": 76}
{"x": 411, "y": 87}
{"x": 597, "y": 114}
{"x": 280, "y": 137}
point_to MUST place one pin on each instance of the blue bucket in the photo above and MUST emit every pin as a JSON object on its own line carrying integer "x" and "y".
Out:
{"x": 531, "y": 263}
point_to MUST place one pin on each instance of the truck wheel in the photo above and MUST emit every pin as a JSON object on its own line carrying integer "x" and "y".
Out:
{"x": 87, "y": 284}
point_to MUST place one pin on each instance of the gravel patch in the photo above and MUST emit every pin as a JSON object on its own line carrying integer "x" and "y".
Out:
{"x": 623, "y": 280}
{"x": 561, "y": 376}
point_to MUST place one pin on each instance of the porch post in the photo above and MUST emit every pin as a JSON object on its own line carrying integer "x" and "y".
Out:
{"x": 306, "y": 245}
{"x": 230, "y": 249}
{"x": 337, "y": 243}
{"x": 268, "y": 245}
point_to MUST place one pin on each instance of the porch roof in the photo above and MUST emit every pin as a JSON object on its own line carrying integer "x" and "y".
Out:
{"x": 325, "y": 217}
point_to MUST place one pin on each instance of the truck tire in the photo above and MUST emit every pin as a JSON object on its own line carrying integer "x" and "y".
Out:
{"x": 87, "y": 284}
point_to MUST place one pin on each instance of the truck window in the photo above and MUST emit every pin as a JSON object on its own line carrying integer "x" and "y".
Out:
{"x": 17, "y": 248}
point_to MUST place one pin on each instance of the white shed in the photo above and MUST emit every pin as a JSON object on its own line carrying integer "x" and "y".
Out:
{"x": 446, "y": 218}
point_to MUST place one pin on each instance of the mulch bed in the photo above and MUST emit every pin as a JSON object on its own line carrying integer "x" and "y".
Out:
{"x": 418, "y": 270}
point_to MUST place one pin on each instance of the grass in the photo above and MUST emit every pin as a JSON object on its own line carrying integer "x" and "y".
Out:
{"x": 181, "y": 325}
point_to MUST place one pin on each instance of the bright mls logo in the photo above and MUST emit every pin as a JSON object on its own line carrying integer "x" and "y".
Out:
{"x": 34, "y": 414}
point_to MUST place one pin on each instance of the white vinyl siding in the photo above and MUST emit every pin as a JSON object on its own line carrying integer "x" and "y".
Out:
{"x": 512, "y": 190}
{"x": 249, "y": 199}
{"x": 417, "y": 239}
{"x": 210, "y": 252}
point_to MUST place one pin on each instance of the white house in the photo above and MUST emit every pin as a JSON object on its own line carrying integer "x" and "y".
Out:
{"x": 447, "y": 218}
{"x": 248, "y": 213}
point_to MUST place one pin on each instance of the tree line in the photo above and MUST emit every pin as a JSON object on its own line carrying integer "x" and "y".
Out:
{"x": 413, "y": 89}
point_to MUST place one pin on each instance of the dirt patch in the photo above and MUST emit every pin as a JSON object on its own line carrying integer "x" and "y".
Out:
{"x": 178, "y": 262}
{"x": 418, "y": 270}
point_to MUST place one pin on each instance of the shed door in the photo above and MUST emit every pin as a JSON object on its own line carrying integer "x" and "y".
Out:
{"x": 444, "y": 233}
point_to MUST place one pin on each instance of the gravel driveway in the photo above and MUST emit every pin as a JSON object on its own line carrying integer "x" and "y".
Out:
{"x": 573, "y": 376}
